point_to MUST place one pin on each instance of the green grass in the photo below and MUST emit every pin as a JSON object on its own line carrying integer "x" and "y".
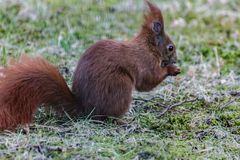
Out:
{"x": 207, "y": 36}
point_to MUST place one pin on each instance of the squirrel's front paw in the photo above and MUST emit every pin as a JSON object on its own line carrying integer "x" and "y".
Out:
{"x": 173, "y": 70}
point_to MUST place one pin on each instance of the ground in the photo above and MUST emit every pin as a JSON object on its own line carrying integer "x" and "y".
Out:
{"x": 207, "y": 36}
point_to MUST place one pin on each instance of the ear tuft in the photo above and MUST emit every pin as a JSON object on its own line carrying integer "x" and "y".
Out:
{"x": 152, "y": 8}
{"x": 153, "y": 19}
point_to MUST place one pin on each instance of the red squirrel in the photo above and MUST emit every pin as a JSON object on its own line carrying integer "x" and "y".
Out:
{"x": 103, "y": 81}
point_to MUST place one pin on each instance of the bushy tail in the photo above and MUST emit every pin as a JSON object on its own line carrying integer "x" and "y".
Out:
{"x": 27, "y": 84}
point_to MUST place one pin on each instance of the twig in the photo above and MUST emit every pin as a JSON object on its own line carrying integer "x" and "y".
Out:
{"x": 175, "y": 105}
{"x": 143, "y": 99}
{"x": 152, "y": 100}
{"x": 46, "y": 127}
{"x": 230, "y": 101}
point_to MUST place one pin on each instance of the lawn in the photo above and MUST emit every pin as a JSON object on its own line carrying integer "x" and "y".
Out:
{"x": 203, "y": 120}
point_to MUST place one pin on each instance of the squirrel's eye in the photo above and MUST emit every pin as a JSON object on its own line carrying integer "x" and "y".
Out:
{"x": 170, "y": 47}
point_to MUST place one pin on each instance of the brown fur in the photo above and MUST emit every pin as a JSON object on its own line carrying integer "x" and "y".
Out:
{"x": 103, "y": 81}
{"x": 27, "y": 84}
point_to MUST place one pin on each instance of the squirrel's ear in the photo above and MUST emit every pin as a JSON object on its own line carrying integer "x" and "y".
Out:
{"x": 152, "y": 8}
{"x": 154, "y": 16}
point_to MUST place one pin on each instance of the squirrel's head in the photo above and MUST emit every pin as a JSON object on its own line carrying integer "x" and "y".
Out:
{"x": 159, "y": 42}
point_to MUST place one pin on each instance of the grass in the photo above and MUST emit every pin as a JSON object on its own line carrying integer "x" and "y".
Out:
{"x": 207, "y": 35}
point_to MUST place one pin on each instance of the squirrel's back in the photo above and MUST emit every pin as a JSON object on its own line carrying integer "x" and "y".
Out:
{"x": 102, "y": 83}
